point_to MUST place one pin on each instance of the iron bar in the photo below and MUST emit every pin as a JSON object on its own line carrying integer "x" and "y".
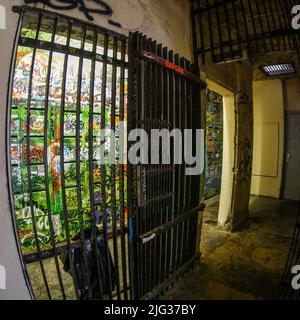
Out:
{"x": 87, "y": 54}
{"x": 49, "y": 253}
{"x": 220, "y": 32}
{"x": 188, "y": 189}
{"x": 152, "y": 234}
{"x": 122, "y": 175}
{"x": 210, "y": 32}
{"x": 243, "y": 41}
{"x": 237, "y": 26}
{"x": 274, "y": 24}
{"x": 160, "y": 97}
{"x": 228, "y": 28}
{"x": 245, "y": 22}
{"x": 172, "y": 117}
{"x": 91, "y": 163}
{"x": 201, "y": 35}
{"x": 261, "y": 24}
{"x": 47, "y": 180}
{"x": 77, "y": 52}
{"x": 103, "y": 166}
{"x": 183, "y": 126}
{"x": 157, "y": 292}
{"x": 194, "y": 34}
{"x": 278, "y": 15}
{"x": 286, "y": 20}
{"x": 143, "y": 210}
{"x": 62, "y": 151}
{"x": 32, "y": 211}
{"x": 268, "y": 23}
{"x": 166, "y": 217}
{"x": 253, "y": 24}
{"x": 78, "y": 163}
{"x": 113, "y": 170}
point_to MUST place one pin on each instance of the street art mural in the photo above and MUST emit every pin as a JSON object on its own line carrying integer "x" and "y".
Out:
{"x": 38, "y": 146}
{"x": 214, "y": 140}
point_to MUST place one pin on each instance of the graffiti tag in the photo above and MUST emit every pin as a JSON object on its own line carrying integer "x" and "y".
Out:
{"x": 65, "y": 5}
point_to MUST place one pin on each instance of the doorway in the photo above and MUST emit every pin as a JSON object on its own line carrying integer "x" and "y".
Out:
{"x": 225, "y": 102}
{"x": 214, "y": 141}
{"x": 291, "y": 183}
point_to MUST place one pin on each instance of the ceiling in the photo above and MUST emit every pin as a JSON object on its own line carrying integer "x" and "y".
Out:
{"x": 261, "y": 28}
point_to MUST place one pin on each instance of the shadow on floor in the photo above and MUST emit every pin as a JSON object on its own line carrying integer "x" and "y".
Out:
{"x": 246, "y": 265}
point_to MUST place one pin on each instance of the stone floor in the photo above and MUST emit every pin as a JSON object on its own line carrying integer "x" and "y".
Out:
{"x": 244, "y": 265}
{"x": 38, "y": 284}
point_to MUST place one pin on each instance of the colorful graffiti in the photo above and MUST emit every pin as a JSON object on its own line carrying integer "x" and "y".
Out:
{"x": 214, "y": 154}
{"x": 28, "y": 154}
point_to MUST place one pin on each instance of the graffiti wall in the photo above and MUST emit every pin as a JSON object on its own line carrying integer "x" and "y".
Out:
{"x": 239, "y": 216}
{"x": 50, "y": 133}
{"x": 214, "y": 141}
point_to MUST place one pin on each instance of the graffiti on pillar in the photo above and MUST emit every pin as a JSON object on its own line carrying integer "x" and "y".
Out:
{"x": 102, "y": 8}
{"x": 214, "y": 141}
{"x": 245, "y": 166}
{"x": 245, "y": 126}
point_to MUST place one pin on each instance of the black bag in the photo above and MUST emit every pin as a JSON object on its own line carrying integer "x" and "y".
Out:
{"x": 76, "y": 258}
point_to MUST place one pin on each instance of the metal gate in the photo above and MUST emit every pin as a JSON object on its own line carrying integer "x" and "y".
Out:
{"x": 164, "y": 93}
{"x": 225, "y": 28}
{"x": 70, "y": 206}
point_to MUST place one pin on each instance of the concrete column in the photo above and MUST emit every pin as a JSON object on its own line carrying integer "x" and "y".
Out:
{"x": 228, "y": 158}
{"x": 243, "y": 150}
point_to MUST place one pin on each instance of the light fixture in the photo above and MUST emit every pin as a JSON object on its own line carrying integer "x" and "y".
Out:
{"x": 280, "y": 69}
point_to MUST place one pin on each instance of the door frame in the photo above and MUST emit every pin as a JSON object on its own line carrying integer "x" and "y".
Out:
{"x": 285, "y": 150}
{"x": 285, "y": 139}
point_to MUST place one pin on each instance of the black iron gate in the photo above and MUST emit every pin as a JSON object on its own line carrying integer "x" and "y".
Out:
{"x": 164, "y": 93}
{"x": 70, "y": 204}
{"x": 225, "y": 28}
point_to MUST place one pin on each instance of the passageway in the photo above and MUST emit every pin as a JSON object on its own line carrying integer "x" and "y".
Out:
{"x": 243, "y": 265}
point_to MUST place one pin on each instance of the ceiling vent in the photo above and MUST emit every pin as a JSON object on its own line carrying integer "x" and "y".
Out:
{"x": 281, "y": 69}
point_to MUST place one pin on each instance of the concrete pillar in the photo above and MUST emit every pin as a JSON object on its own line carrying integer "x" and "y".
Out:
{"x": 228, "y": 158}
{"x": 243, "y": 150}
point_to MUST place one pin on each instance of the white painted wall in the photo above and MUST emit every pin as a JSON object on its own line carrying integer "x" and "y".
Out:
{"x": 268, "y": 138}
{"x": 166, "y": 21}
